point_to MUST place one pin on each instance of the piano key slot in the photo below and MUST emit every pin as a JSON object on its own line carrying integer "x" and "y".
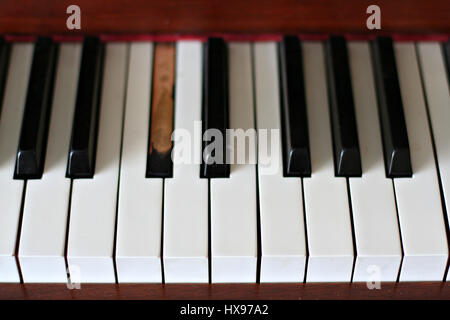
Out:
{"x": 159, "y": 160}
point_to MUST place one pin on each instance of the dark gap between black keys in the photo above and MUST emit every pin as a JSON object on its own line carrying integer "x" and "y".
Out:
{"x": 159, "y": 157}
{"x": 83, "y": 144}
{"x": 35, "y": 123}
{"x": 4, "y": 61}
{"x": 294, "y": 122}
{"x": 215, "y": 108}
{"x": 346, "y": 153}
{"x": 390, "y": 109}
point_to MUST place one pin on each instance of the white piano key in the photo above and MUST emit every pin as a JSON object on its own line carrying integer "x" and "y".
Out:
{"x": 234, "y": 246}
{"x": 327, "y": 211}
{"x": 138, "y": 244}
{"x": 438, "y": 99}
{"x": 93, "y": 207}
{"x": 185, "y": 243}
{"x": 377, "y": 236}
{"x": 418, "y": 199}
{"x": 44, "y": 222}
{"x": 11, "y": 190}
{"x": 283, "y": 243}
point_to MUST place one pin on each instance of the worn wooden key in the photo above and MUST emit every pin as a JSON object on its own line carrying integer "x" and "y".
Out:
{"x": 159, "y": 161}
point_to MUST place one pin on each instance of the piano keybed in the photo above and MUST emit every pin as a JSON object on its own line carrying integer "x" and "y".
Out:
{"x": 352, "y": 185}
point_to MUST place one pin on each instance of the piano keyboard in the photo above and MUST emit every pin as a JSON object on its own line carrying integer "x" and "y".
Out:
{"x": 358, "y": 142}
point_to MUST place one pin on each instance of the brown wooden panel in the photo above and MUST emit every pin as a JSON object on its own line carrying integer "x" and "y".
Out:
{"x": 414, "y": 290}
{"x": 231, "y": 16}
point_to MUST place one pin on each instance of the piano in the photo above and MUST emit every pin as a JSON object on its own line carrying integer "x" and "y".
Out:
{"x": 237, "y": 150}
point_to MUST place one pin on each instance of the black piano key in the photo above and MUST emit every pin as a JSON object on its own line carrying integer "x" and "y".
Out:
{"x": 390, "y": 108}
{"x": 215, "y": 107}
{"x": 446, "y": 48}
{"x": 296, "y": 155}
{"x": 347, "y": 159}
{"x": 4, "y": 60}
{"x": 81, "y": 163}
{"x": 34, "y": 131}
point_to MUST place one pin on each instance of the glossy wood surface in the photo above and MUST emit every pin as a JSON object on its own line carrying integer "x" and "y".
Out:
{"x": 232, "y": 16}
{"x": 413, "y": 290}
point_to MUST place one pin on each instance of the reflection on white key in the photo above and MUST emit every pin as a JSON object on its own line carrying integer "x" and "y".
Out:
{"x": 418, "y": 199}
{"x": 283, "y": 243}
{"x": 438, "y": 99}
{"x": 44, "y": 222}
{"x": 11, "y": 190}
{"x": 93, "y": 211}
{"x": 138, "y": 245}
{"x": 373, "y": 202}
{"x": 233, "y": 200}
{"x": 326, "y": 202}
{"x": 185, "y": 244}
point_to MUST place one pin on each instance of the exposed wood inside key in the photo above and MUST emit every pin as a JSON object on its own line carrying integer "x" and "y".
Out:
{"x": 159, "y": 160}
